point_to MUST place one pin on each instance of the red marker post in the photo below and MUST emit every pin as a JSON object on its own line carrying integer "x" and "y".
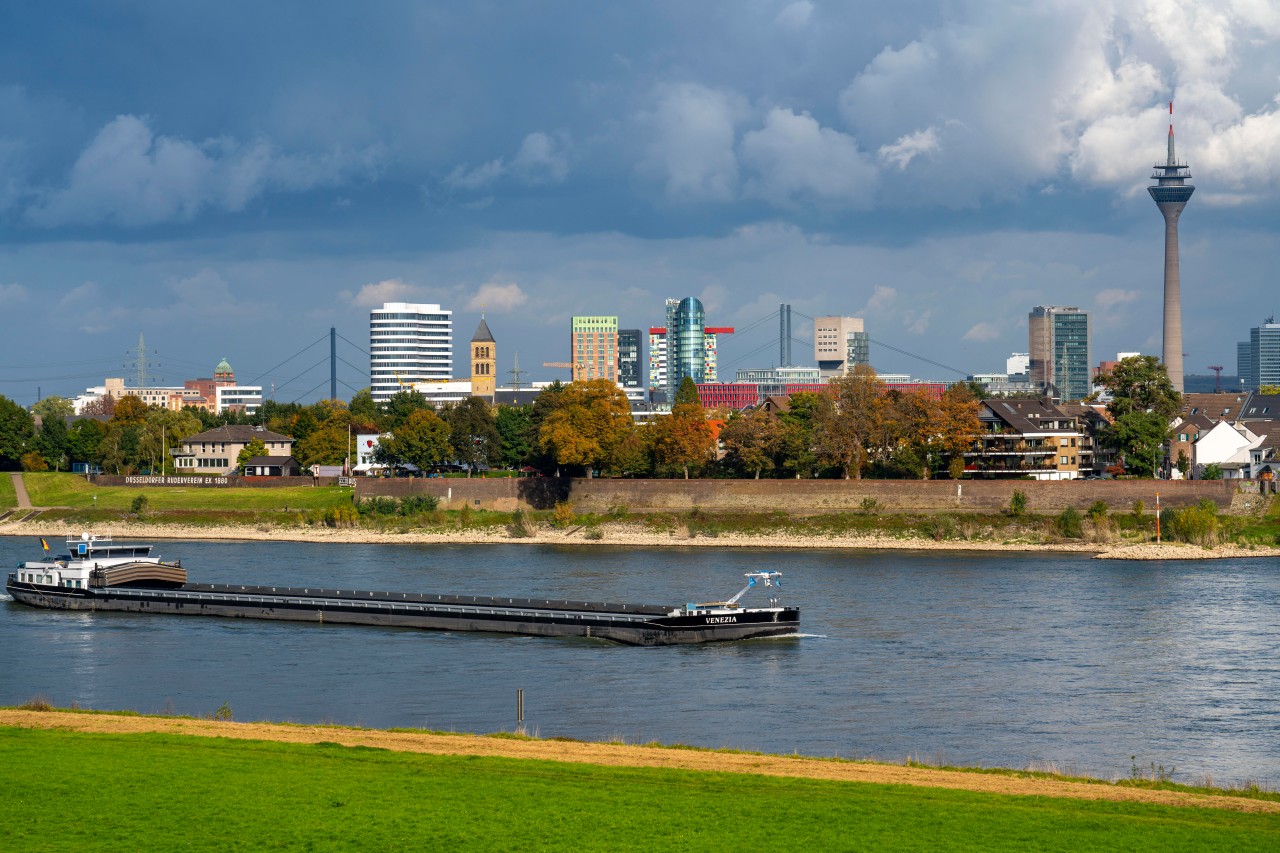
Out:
{"x": 1157, "y": 518}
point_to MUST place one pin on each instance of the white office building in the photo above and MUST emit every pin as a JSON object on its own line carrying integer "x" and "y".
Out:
{"x": 409, "y": 342}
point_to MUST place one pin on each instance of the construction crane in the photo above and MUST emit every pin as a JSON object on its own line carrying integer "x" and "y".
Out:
{"x": 1217, "y": 377}
{"x": 567, "y": 365}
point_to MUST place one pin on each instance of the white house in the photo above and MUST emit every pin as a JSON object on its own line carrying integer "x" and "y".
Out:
{"x": 1230, "y": 446}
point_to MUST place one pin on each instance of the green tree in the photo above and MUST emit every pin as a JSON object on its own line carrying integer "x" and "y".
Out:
{"x": 163, "y": 430}
{"x": 513, "y": 424}
{"x": 130, "y": 410}
{"x": 364, "y": 408}
{"x": 17, "y": 434}
{"x": 473, "y": 434}
{"x": 397, "y": 409}
{"x": 687, "y": 392}
{"x": 53, "y": 442}
{"x": 53, "y": 407}
{"x": 257, "y": 447}
{"x": 752, "y": 442}
{"x": 1212, "y": 471}
{"x": 589, "y": 420}
{"x": 326, "y": 446}
{"x": 633, "y": 456}
{"x": 1143, "y": 404}
{"x": 84, "y": 439}
{"x": 798, "y": 426}
{"x": 422, "y": 441}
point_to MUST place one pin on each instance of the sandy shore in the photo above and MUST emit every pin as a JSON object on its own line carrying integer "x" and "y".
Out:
{"x": 623, "y": 755}
{"x": 624, "y": 534}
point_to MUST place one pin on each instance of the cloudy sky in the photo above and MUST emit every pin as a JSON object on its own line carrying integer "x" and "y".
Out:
{"x": 232, "y": 179}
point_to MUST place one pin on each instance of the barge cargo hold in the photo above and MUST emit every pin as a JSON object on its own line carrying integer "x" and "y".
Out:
{"x": 153, "y": 586}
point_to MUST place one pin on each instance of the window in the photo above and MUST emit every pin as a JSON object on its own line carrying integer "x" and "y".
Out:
{"x": 1064, "y": 460}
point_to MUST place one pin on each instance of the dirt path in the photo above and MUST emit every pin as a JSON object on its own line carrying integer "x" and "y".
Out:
{"x": 20, "y": 489}
{"x": 629, "y": 756}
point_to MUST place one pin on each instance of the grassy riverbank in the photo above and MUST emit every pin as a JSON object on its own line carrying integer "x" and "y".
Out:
{"x": 240, "y": 790}
{"x": 8, "y": 495}
{"x": 328, "y": 514}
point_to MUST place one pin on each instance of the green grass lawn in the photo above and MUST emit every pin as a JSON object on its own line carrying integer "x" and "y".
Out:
{"x": 8, "y": 497}
{"x": 72, "y": 490}
{"x": 66, "y": 791}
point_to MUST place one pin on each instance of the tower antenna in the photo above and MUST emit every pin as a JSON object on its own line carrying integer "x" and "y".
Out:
{"x": 516, "y": 373}
{"x": 1171, "y": 193}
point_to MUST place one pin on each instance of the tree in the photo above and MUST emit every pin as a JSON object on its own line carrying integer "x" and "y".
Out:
{"x": 397, "y": 409}
{"x": 472, "y": 433}
{"x": 325, "y": 446}
{"x": 1143, "y": 403}
{"x": 17, "y": 434}
{"x": 104, "y": 406}
{"x": 589, "y": 420}
{"x": 421, "y": 441}
{"x": 513, "y": 425}
{"x": 683, "y": 438}
{"x": 956, "y": 425}
{"x": 633, "y": 456}
{"x": 752, "y": 442}
{"x": 130, "y": 410}
{"x": 364, "y": 408}
{"x": 845, "y": 420}
{"x": 163, "y": 430}
{"x": 687, "y": 392}
{"x": 257, "y": 447}
{"x": 53, "y": 407}
{"x": 53, "y": 442}
{"x": 798, "y": 427}
{"x": 84, "y": 440}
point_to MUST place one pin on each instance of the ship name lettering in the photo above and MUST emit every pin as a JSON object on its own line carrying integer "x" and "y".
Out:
{"x": 715, "y": 620}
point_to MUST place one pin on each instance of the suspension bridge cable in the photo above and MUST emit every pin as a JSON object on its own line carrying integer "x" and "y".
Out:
{"x": 287, "y": 360}
{"x": 308, "y": 391}
{"x": 304, "y": 373}
{"x": 353, "y": 346}
{"x": 353, "y": 367}
{"x": 919, "y": 357}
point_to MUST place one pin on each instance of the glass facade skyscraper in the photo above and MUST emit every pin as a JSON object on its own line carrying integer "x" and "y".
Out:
{"x": 1060, "y": 352}
{"x": 686, "y": 344}
{"x": 1258, "y": 359}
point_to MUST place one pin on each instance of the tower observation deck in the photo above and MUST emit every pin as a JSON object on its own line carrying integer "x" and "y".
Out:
{"x": 1172, "y": 191}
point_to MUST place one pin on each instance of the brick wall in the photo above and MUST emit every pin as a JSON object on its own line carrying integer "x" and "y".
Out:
{"x": 801, "y": 496}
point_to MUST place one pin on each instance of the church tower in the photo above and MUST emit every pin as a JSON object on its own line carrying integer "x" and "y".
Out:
{"x": 484, "y": 362}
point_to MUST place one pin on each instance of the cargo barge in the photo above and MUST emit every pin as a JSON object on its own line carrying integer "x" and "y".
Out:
{"x": 100, "y": 575}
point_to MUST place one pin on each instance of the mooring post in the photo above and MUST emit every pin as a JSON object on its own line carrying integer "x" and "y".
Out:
{"x": 520, "y": 710}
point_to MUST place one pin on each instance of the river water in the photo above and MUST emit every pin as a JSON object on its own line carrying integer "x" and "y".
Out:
{"x": 1006, "y": 660}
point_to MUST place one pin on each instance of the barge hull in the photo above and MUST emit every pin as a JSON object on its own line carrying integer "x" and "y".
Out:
{"x": 642, "y": 626}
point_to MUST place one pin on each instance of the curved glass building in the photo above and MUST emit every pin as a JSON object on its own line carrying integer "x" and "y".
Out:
{"x": 688, "y": 353}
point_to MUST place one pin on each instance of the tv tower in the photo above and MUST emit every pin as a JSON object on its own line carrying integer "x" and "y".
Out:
{"x": 1171, "y": 193}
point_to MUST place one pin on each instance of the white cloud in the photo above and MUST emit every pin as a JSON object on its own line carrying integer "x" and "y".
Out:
{"x": 372, "y": 295}
{"x": 692, "y": 131}
{"x": 11, "y": 294}
{"x": 1113, "y": 298}
{"x": 498, "y": 298}
{"x": 1017, "y": 95}
{"x": 909, "y": 147}
{"x": 793, "y": 156}
{"x": 542, "y": 159}
{"x": 882, "y": 298}
{"x": 795, "y": 16}
{"x": 917, "y": 322}
{"x": 128, "y": 175}
{"x": 982, "y": 332}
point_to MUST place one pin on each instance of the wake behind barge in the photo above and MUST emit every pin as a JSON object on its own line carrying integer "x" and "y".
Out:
{"x": 101, "y": 576}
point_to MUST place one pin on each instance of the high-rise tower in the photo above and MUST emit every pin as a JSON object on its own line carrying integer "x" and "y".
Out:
{"x": 484, "y": 362}
{"x": 1171, "y": 193}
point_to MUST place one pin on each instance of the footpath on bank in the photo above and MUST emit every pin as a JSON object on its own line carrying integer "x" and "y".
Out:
{"x": 623, "y": 755}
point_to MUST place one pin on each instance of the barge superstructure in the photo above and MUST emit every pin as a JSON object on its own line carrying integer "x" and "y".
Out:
{"x": 105, "y": 578}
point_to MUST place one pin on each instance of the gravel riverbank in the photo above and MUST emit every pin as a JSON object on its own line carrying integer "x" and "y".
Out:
{"x": 624, "y": 534}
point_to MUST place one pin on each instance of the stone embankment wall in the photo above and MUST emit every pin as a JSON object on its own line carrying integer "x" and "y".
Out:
{"x": 806, "y": 496}
{"x": 207, "y": 481}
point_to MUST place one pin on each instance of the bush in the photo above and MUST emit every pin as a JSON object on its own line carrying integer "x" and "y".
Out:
{"x": 520, "y": 527}
{"x": 1097, "y": 512}
{"x": 34, "y": 462}
{"x": 139, "y": 507}
{"x": 939, "y": 527}
{"x": 1018, "y": 502}
{"x": 563, "y": 515}
{"x": 378, "y": 506}
{"x": 1212, "y": 471}
{"x": 417, "y": 504}
{"x": 618, "y": 512}
{"x": 595, "y": 534}
{"x": 1070, "y": 523}
{"x": 464, "y": 516}
{"x": 869, "y": 505}
{"x": 1195, "y": 525}
{"x": 1138, "y": 509}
